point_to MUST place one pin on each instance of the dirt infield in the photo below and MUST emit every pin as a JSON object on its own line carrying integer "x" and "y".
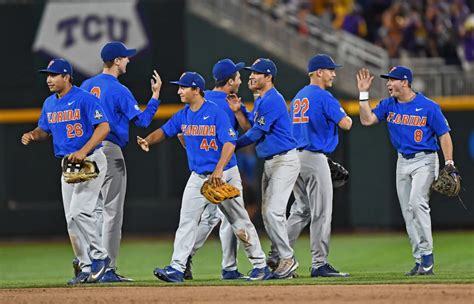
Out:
{"x": 436, "y": 293}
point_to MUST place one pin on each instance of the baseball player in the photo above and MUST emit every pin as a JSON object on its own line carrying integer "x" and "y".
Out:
{"x": 416, "y": 126}
{"x": 227, "y": 81}
{"x": 209, "y": 139}
{"x": 120, "y": 107}
{"x": 316, "y": 116}
{"x": 78, "y": 124}
{"x": 271, "y": 131}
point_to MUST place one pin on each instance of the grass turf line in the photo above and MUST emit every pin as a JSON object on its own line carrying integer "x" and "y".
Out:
{"x": 369, "y": 258}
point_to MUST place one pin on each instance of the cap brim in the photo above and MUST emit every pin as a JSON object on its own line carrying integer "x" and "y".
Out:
{"x": 256, "y": 71}
{"x": 49, "y": 72}
{"x": 131, "y": 52}
{"x": 239, "y": 66}
{"x": 387, "y": 76}
{"x": 180, "y": 84}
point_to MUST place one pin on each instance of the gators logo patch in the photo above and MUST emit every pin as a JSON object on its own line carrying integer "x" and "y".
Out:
{"x": 261, "y": 120}
{"x": 98, "y": 115}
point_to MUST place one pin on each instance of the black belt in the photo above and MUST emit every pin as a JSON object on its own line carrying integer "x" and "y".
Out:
{"x": 271, "y": 157}
{"x": 410, "y": 156}
{"x": 303, "y": 149}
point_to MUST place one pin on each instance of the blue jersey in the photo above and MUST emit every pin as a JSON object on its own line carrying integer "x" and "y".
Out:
{"x": 205, "y": 132}
{"x": 219, "y": 98}
{"x": 315, "y": 114}
{"x": 120, "y": 106}
{"x": 71, "y": 120}
{"x": 413, "y": 126}
{"x": 271, "y": 116}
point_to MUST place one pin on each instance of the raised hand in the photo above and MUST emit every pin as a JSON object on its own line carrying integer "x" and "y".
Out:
{"x": 156, "y": 84}
{"x": 364, "y": 80}
{"x": 234, "y": 102}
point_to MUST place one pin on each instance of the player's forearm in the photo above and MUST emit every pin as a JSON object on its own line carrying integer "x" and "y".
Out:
{"x": 244, "y": 123}
{"x": 367, "y": 118}
{"x": 226, "y": 154}
{"x": 144, "y": 119}
{"x": 38, "y": 134}
{"x": 447, "y": 146}
{"x": 155, "y": 137}
{"x": 97, "y": 137}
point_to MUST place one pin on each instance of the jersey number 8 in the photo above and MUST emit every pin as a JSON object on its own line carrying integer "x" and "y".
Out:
{"x": 300, "y": 107}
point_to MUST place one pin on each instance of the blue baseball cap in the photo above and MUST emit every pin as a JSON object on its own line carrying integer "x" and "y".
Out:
{"x": 116, "y": 49}
{"x": 192, "y": 80}
{"x": 322, "y": 61}
{"x": 58, "y": 66}
{"x": 263, "y": 66}
{"x": 225, "y": 68}
{"x": 400, "y": 73}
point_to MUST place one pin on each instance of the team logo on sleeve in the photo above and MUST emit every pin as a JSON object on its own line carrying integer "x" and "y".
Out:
{"x": 98, "y": 115}
{"x": 231, "y": 132}
{"x": 261, "y": 120}
{"x": 342, "y": 110}
{"x": 137, "y": 107}
{"x": 447, "y": 123}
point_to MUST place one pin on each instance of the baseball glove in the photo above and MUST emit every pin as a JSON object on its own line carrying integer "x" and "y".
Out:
{"x": 79, "y": 172}
{"x": 448, "y": 182}
{"x": 218, "y": 194}
{"x": 339, "y": 174}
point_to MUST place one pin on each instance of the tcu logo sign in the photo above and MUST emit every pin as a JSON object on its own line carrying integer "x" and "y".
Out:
{"x": 93, "y": 28}
{"x": 78, "y": 31}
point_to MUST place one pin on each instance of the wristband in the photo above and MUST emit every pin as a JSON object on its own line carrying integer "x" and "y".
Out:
{"x": 363, "y": 96}
{"x": 449, "y": 162}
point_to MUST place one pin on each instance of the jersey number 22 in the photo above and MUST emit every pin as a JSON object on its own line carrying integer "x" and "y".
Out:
{"x": 300, "y": 107}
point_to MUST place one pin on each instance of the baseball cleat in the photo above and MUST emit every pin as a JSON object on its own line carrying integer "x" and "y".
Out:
{"x": 111, "y": 276}
{"x": 188, "y": 272}
{"x": 427, "y": 265}
{"x": 81, "y": 278}
{"x": 169, "y": 274}
{"x": 98, "y": 268}
{"x": 233, "y": 275}
{"x": 413, "y": 271}
{"x": 327, "y": 271}
{"x": 273, "y": 260}
{"x": 259, "y": 274}
{"x": 285, "y": 269}
{"x": 76, "y": 267}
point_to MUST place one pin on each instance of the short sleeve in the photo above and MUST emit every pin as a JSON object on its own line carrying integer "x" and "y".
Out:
{"x": 381, "y": 110}
{"x": 225, "y": 132}
{"x": 439, "y": 123}
{"x": 267, "y": 113}
{"x": 128, "y": 104}
{"x": 333, "y": 109}
{"x": 95, "y": 112}
{"x": 43, "y": 121}
{"x": 173, "y": 125}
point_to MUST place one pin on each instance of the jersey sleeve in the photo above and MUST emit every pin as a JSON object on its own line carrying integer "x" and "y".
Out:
{"x": 381, "y": 110}
{"x": 267, "y": 114}
{"x": 127, "y": 104}
{"x": 173, "y": 126}
{"x": 94, "y": 110}
{"x": 438, "y": 122}
{"x": 43, "y": 121}
{"x": 144, "y": 119}
{"x": 333, "y": 109}
{"x": 224, "y": 131}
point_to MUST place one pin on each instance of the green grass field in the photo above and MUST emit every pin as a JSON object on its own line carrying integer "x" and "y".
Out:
{"x": 369, "y": 258}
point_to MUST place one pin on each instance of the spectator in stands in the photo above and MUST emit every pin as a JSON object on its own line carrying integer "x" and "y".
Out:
{"x": 354, "y": 23}
{"x": 468, "y": 39}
